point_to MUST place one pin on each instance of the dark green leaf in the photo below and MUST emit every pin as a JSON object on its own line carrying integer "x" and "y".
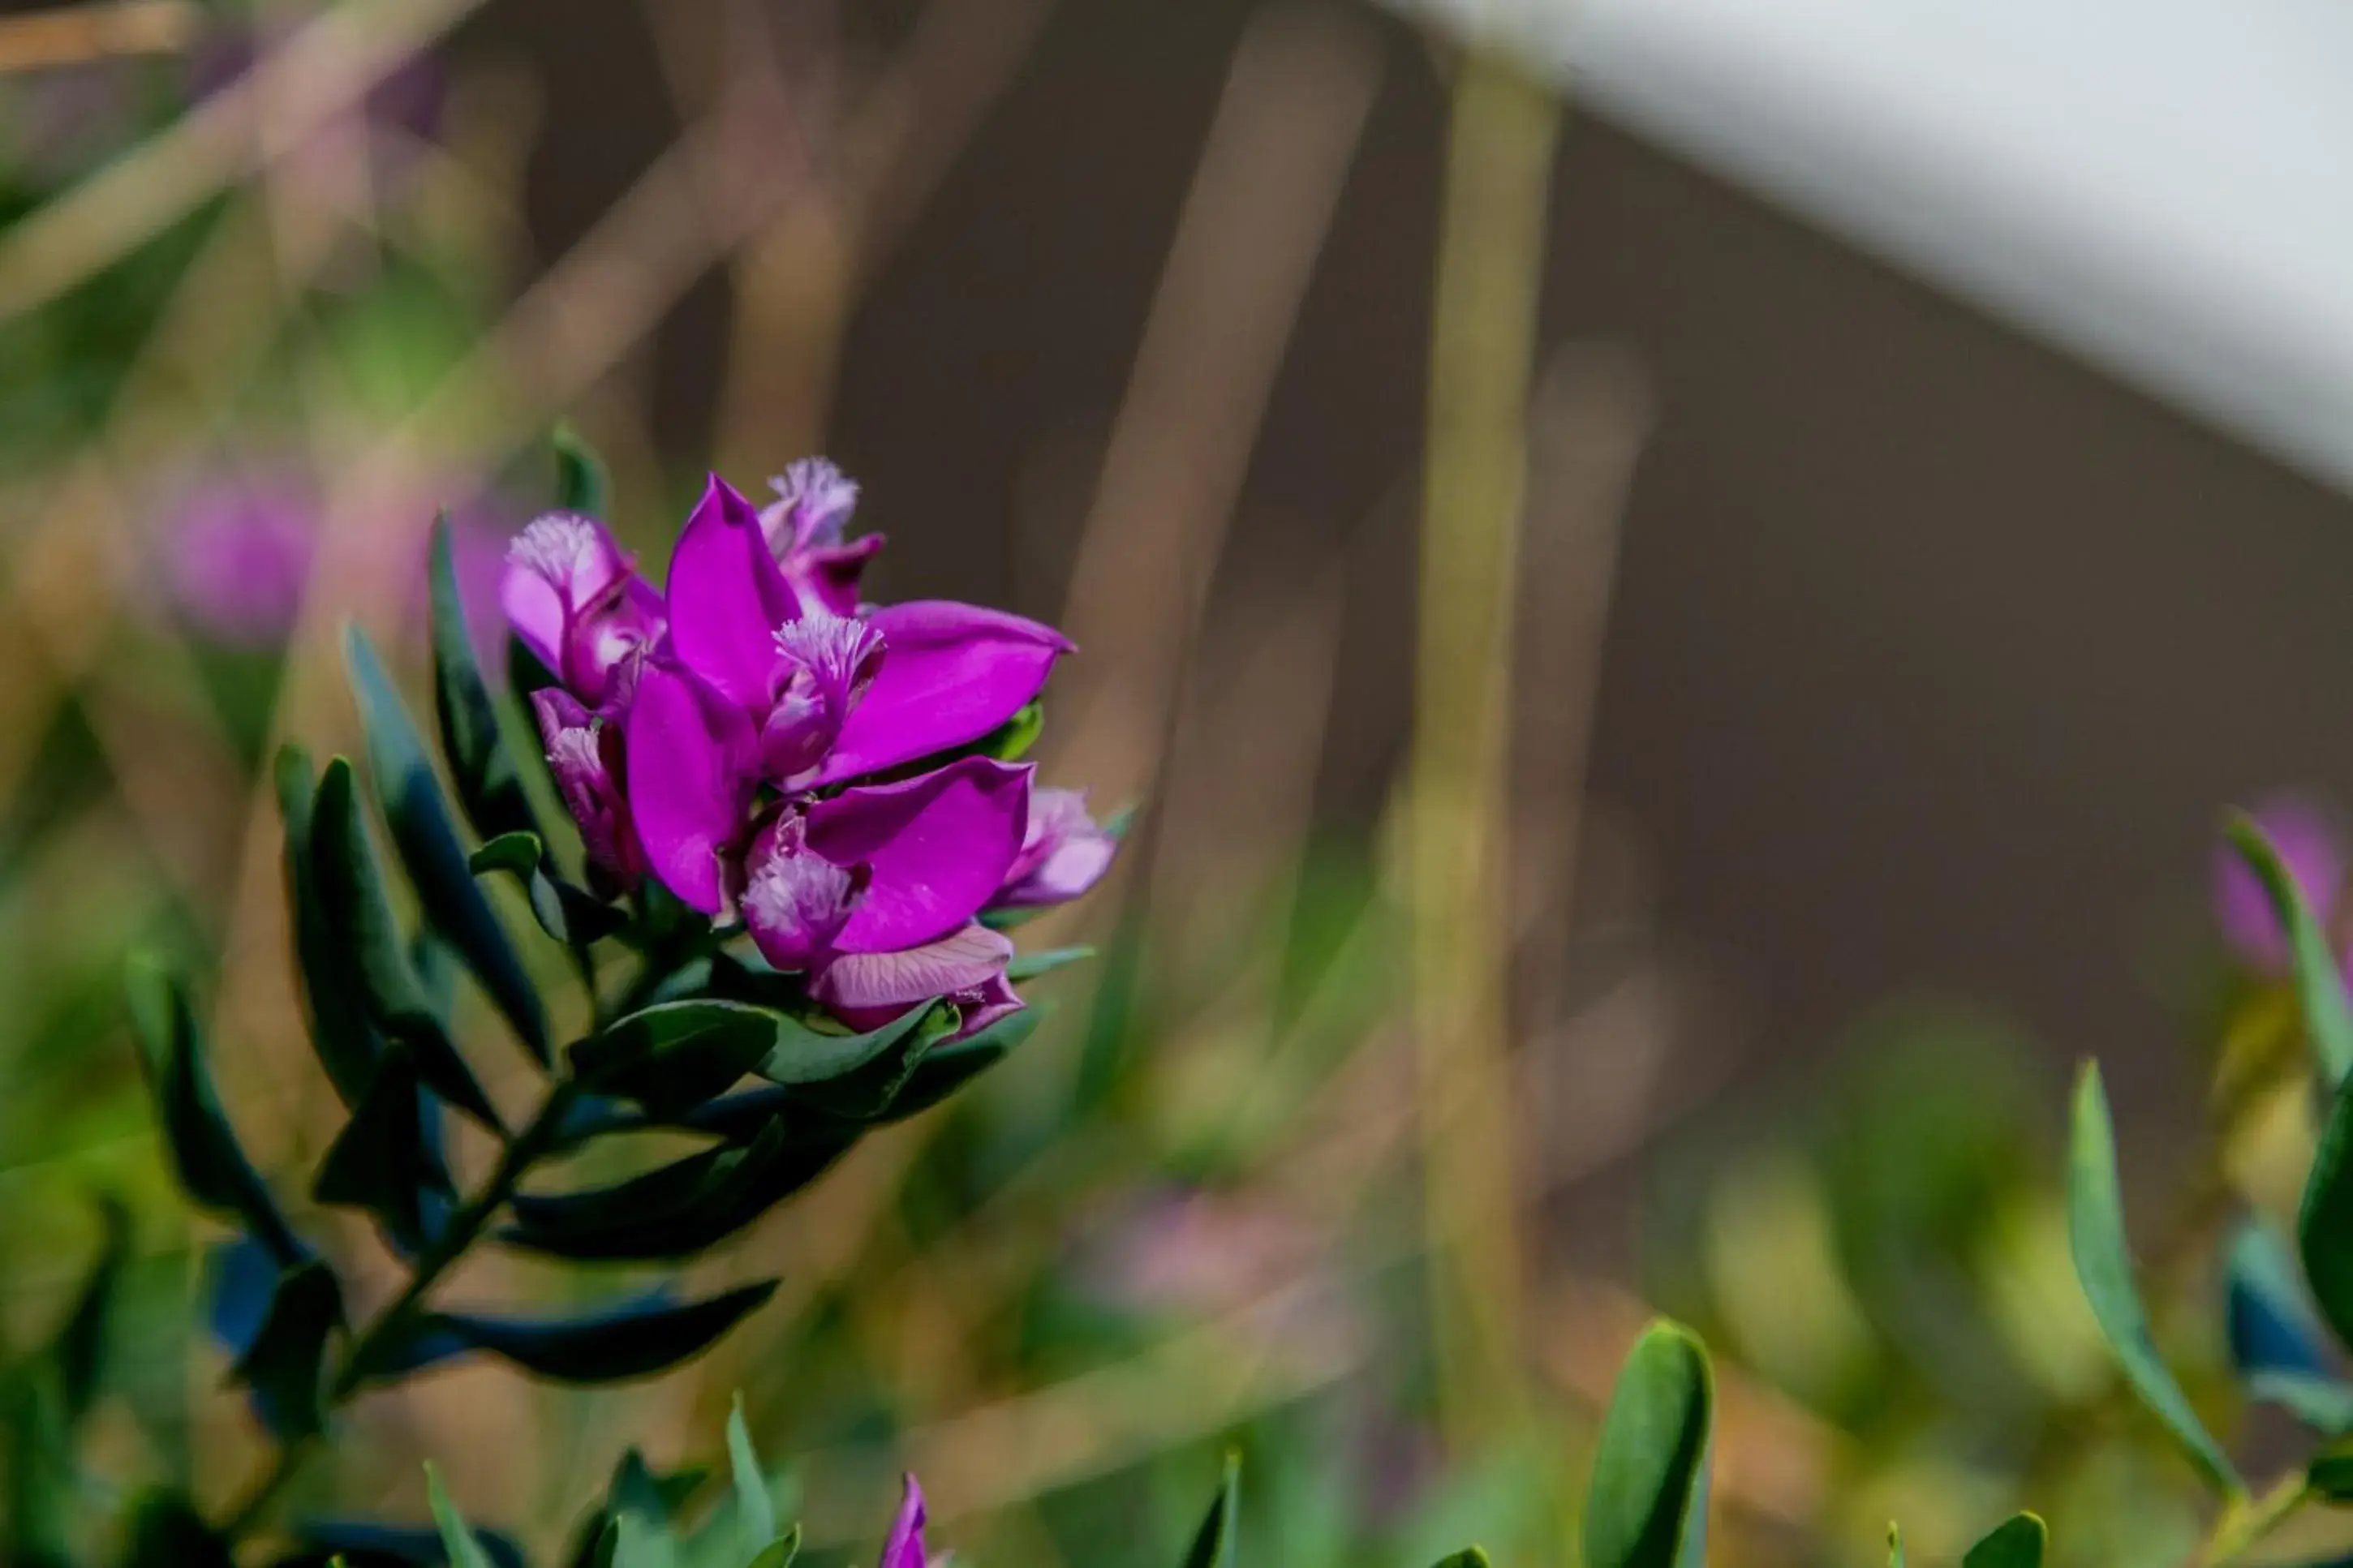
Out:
{"x": 2276, "y": 1339}
{"x": 2324, "y": 1221}
{"x": 421, "y": 830}
{"x": 211, "y": 1164}
{"x": 631, "y": 1340}
{"x": 677, "y": 1210}
{"x": 78, "y": 1351}
{"x": 517, "y": 853}
{"x": 42, "y": 1497}
{"x": 2017, "y": 1542}
{"x": 947, "y": 1068}
{"x": 283, "y": 1363}
{"x": 2330, "y": 1473}
{"x": 2095, "y": 1231}
{"x": 385, "y": 1163}
{"x": 2328, "y": 1016}
{"x": 340, "y": 1034}
{"x": 488, "y": 786}
{"x": 672, "y": 1056}
{"x": 1648, "y": 1503}
{"x": 457, "y": 1537}
{"x": 755, "y": 1511}
{"x": 166, "y": 1531}
{"x": 1214, "y": 1542}
{"x": 362, "y": 1543}
{"x": 1029, "y": 966}
{"x": 1468, "y": 1557}
{"x": 372, "y": 952}
{"x": 580, "y": 481}
{"x": 802, "y": 1055}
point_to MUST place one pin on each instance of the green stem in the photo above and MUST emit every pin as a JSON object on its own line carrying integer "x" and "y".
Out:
{"x": 2247, "y": 1522}
{"x": 464, "y": 1227}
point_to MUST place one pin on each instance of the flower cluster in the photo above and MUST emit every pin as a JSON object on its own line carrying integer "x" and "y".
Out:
{"x": 774, "y": 750}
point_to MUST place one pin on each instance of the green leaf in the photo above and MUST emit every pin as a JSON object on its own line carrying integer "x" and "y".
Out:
{"x": 1647, "y": 1507}
{"x": 2330, "y": 1474}
{"x": 210, "y": 1163}
{"x": 2017, "y": 1542}
{"x": 282, "y": 1364}
{"x": 1011, "y": 740}
{"x": 2324, "y": 1220}
{"x": 1029, "y": 966}
{"x": 2277, "y": 1342}
{"x": 489, "y": 785}
{"x": 1214, "y": 1543}
{"x": 340, "y": 1033}
{"x": 755, "y": 1511}
{"x": 43, "y": 1491}
{"x": 780, "y": 1553}
{"x": 2095, "y": 1231}
{"x": 581, "y": 483}
{"x": 674, "y": 1056}
{"x": 944, "y": 1069}
{"x": 802, "y": 1055}
{"x": 677, "y": 1210}
{"x": 166, "y": 1531}
{"x": 2320, "y": 989}
{"x": 1468, "y": 1557}
{"x": 411, "y": 800}
{"x": 78, "y": 1352}
{"x": 516, "y": 852}
{"x": 635, "y": 1340}
{"x": 385, "y": 1162}
{"x": 1894, "y": 1547}
{"x": 457, "y": 1535}
{"x": 372, "y": 954}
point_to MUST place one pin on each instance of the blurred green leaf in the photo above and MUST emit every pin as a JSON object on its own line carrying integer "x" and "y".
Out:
{"x": 428, "y": 841}
{"x": 43, "y": 1504}
{"x": 488, "y": 785}
{"x": 755, "y": 1511}
{"x": 369, "y": 949}
{"x": 780, "y": 1553}
{"x": 457, "y": 1535}
{"x": 384, "y": 1162}
{"x": 356, "y": 1542}
{"x": 1029, "y": 966}
{"x": 634, "y": 1340}
{"x": 340, "y": 1034}
{"x": 1647, "y": 1507}
{"x": 677, "y": 1210}
{"x": 1894, "y": 1547}
{"x": 2017, "y": 1542}
{"x": 1214, "y": 1544}
{"x": 2324, "y": 1222}
{"x": 166, "y": 1531}
{"x": 2096, "y": 1229}
{"x": 581, "y": 484}
{"x": 283, "y": 1363}
{"x": 516, "y": 852}
{"x": 78, "y": 1352}
{"x": 2277, "y": 1342}
{"x": 2327, "y": 1017}
{"x": 945, "y": 1069}
{"x": 1470, "y": 1557}
{"x": 2330, "y": 1473}
{"x": 211, "y": 1164}
{"x": 1011, "y": 740}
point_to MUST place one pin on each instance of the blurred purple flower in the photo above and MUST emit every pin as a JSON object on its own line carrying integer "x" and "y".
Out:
{"x": 1063, "y": 853}
{"x": 2313, "y": 847}
{"x": 237, "y": 556}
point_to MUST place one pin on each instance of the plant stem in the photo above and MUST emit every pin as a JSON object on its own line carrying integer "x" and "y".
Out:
{"x": 463, "y": 1228}
{"x": 1490, "y": 264}
{"x": 2246, "y": 1523}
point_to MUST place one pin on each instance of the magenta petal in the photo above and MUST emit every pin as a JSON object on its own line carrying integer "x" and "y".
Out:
{"x": 938, "y": 847}
{"x": 862, "y": 986}
{"x": 905, "y": 1547}
{"x": 691, "y": 774}
{"x": 953, "y": 673}
{"x": 2312, "y": 847}
{"x": 727, "y": 597}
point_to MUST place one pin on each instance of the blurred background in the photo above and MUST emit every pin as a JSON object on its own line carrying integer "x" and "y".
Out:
{"x": 1845, "y": 503}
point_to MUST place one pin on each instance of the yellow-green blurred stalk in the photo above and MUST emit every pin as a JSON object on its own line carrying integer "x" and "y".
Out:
{"x": 1491, "y": 249}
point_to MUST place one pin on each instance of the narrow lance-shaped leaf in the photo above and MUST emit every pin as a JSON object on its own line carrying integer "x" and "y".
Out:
{"x": 2095, "y": 1232}
{"x": 2276, "y": 1339}
{"x": 372, "y": 953}
{"x": 283, "y": 1363}
{"x": 755, "y": 1511}
{"x": 1647, "y": 1507}
{"x": 946, "y": 1068}
{"x": 340, "y": 1034}
{"x": 674, "y": 1056}
{"x": 457, "y": 1535}
{"x": 428, "y": 841}
{"x": 1214, "y": 1543}
{"x": 2017, "y": 1542}
{"x": 682, "y": 1209}
{"x": 632, "y": 1340}
{"x": 211, "y": 1164}
{"x": 1468, "y": 1557}
{"x": 489, "y": 785}
{"x": 1894, "y": 1547}
{"x": 2319, "y": 987}
{"x": 2324, "y": 1223}
{"x": 78, "y": 1352}
{"x": 385, "y": 1163}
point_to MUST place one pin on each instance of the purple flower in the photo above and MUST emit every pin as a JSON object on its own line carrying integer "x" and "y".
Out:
{"x": 803, "y": 527}
{"x": 691, "y": 756}
{"x": 965, "y": 968}
{"x": 2312, "y": 848}
{"x": 904, "y": 1549}
{"x": 577, "y": 601}
{"x": 1063, "y": 853}
{"x": 584, "y": 753}
{"x": 830, "y": 661}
